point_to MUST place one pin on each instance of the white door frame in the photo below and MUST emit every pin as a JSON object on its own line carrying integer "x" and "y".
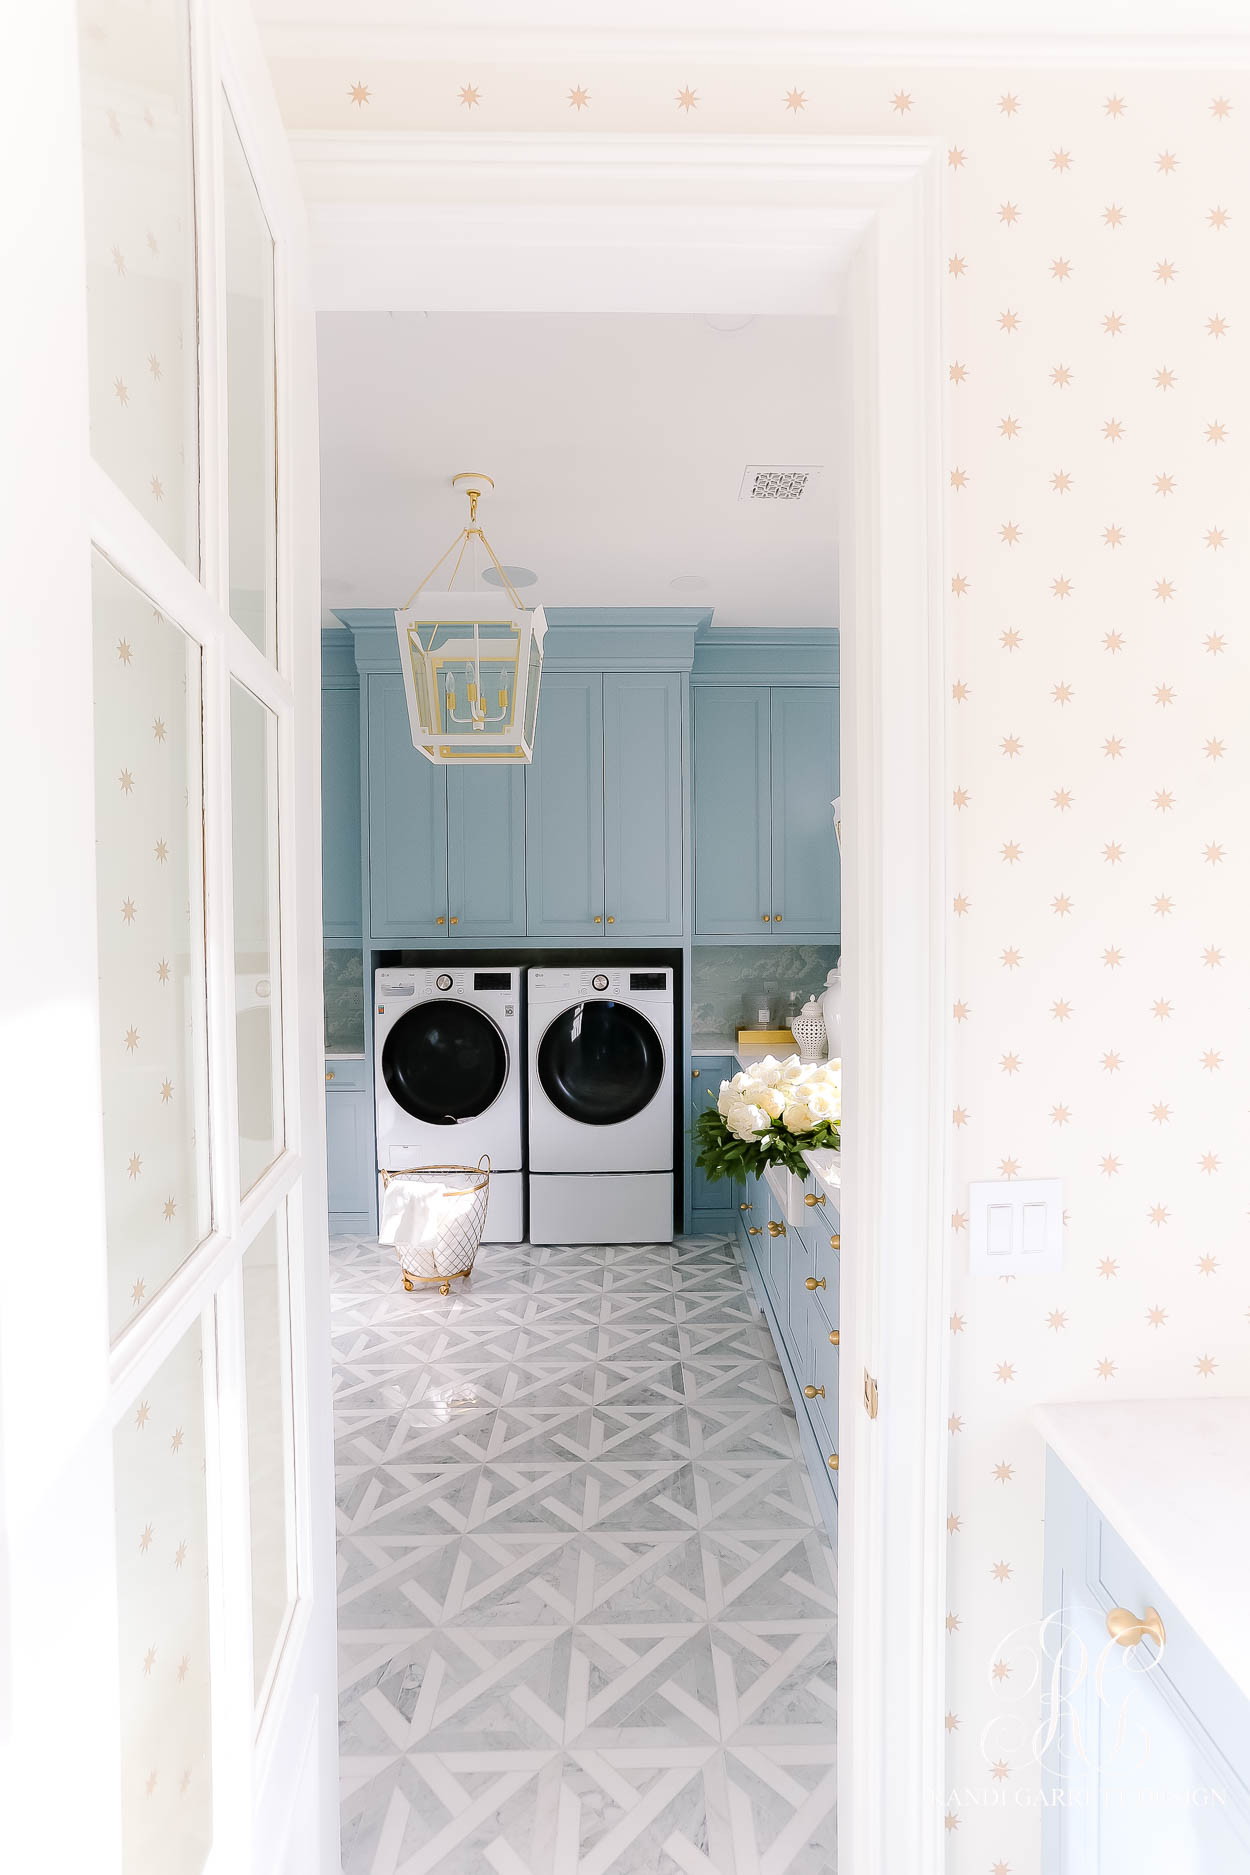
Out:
{"x": 439, "y": 196}
{"x": 62, "y": 1387}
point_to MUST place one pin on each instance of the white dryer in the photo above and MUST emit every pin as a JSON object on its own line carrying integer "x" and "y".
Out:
{"x": 601, "y": 1104}
{"x": 447, "y": 1078}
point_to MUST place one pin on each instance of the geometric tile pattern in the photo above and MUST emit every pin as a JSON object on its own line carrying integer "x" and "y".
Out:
{"x": 587, "y": 1606}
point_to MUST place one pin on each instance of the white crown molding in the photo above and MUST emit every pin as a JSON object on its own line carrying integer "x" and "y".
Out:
{"x": 771, "y": 50}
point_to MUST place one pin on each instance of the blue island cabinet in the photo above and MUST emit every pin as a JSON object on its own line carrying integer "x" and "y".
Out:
{"x": 765, "y": 778}
{"x": 603, "y": 806}
{"x": 446, "y": 845}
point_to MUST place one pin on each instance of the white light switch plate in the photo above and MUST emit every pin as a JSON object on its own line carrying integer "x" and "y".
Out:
{"x": 1016, "y": 1226}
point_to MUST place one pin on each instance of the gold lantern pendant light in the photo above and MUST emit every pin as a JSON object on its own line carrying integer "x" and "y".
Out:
{"x": 472, "y": 660}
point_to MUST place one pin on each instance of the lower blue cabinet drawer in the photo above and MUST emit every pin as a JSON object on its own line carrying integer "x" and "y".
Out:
{"x": 345, "y": 1071}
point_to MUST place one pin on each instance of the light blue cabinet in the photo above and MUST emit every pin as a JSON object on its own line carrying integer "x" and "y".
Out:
{"x": 603, "y": 803}
{"x": 340, "y": 812}
{"x": 446, "y": 845}
{"x": 349, "y": 1145}
{"x": 1148, "y": 1762}
{"x": 765, "y": 777}
{"x": 732, "y": 829}
{"x": 709, "y": 1200}
{"x": 806, "y": 898}
{"x": 564, "y": 808}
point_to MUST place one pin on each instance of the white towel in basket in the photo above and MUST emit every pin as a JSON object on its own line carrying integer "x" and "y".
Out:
{"x": 414, "y": 1214}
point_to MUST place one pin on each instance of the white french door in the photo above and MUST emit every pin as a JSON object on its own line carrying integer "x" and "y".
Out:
{"x": 167, "y": 1570}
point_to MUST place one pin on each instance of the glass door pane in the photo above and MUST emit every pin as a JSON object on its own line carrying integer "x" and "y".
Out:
{"x": 162, "y": 1589}
{"x": 250, "y": 399}
{"x": 140, "y": 229}
{"x": 258, "y": 1015}
{"x": 270, "y": 1440}
{"x": 149, "y": 887}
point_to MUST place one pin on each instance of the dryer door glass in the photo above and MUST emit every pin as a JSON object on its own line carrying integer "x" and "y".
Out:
{"x": 444, "y": 1062}
{"x": 600, "y": 1063}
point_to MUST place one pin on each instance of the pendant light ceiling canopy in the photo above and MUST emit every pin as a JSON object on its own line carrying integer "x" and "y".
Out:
{"x": 472, "y": 659}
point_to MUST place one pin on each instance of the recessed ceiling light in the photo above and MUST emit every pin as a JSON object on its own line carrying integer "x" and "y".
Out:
{"x": 519, "y": 575}
{"x": 690, "y": 582}
{"x": 728, "y": 322}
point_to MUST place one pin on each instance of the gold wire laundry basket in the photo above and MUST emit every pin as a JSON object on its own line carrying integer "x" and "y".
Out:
{"x": 455, "y": 1242}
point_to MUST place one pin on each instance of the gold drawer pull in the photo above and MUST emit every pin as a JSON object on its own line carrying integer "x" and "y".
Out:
{"x": 833, "y": 1462}
{"x": 694, "y": 1074}
{"x": 811, "y": 1198}
{"x": 440, "y": 921}
{"x": 753, "y": 1230}
{"x": 813, "y": 1393}
{"x": 835, "y": 1338}
{"x": 611, "y": 920}
{"x": 455, "y": 921}
{"x": 746, "y": 1207}
{"x": 835, "y": 1243}
{"x": 776, "y": 917}
{"x": 329, "y": 1074}
{"x": 766, "y": 919}
{"x": 598, "y": 919}
{"x": 814, "y": 1282}
{"x": 775, "y": 1229}
{"x": 1128, "y": 1628}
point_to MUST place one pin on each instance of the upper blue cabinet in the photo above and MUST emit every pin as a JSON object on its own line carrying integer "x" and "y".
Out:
{"x": 603, "y": 800}
{"x": 765, "y": 778}
{"x": 340, "y": 792}
{"x": 446, "y": 845}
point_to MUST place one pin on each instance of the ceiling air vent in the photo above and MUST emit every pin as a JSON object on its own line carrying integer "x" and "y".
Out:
{"x": 759, "y": 484}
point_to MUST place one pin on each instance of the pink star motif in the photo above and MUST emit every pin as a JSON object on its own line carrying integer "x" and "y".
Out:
{"x": 1113, "y": 430}
{"x": 1113, "y": 958}
{"x": 1009, "y": 427}
{"x": 1060, "y": 160}
{"x": 1011, "y": 640}
{"x": 1115, "y": 107}
{"x": 1160, "y": 1113}
{"x": 1009, "y": 1168}
{"x": 1113, "y": 215}
{"x": 1113, "y": 852}
{"x": 1209, "y": 1162}
{"x": 1163, "y": 905}
{"x": 1158, "y": 1215}
{"x": 1010, "y": 1064}
{"x": 1105, "y": 1369}
{"x": 1218, "y": 218}
{"x": 1009, "y": 533}
{"x": 1008, "y": 213}
{"x": 1061, "y": 1011}
{"x": 1004, "y": 1372}
{"x": 1113, "y": 536}
{"x": 1212, "y": 1060}
{"x": 1009, "y": 321}
{"x": 1010, "y": 959}
{"x": 1214, "y": 643}
{"x": 1161, "y": 1009}
{"x": 901, "y": 102}
{"x": 1164, "y": 800}
{"x": 957, "y": 373}
{"x": 1061, "y": 799}
{"x": 1108, "y": 1268}
{"x": 1008, "y": 104}
{"x": 959, "y": 585}
{"x": 959, "y": 1116}
{"x": 1011, "y": 852}
{"x": 1216, "y": 327}
{"x": 1166, "y": 163}
{"x": 1164, "y": 379}
{"x": 1011, "y": 745}
{"x": 1164, "y": 484}
{"x": 1059, "y": 1116}
{"x": 956, "y": 266}
{"x": 1060, "y": 482}
{"x": 1205, "y": 1366}
{"x": 1062, "y": 693}
{"x": 1213, "y": 749}
{"x": 1113, "y": 748}
{"x": 1109, "y": 1165}
{"x": 1112, "y": 1062}
{"x": 1061, "y": 269}
{"x": 1213, "y": 854}
{"x": 1212, "y": 957}
{"x": 1113, "y": 325}
{"x": 1215, "y": 538}
{"x": 956, "y": 157}
{"x": 1164, "y": 590}
{"x": 1061, "y": 587}
{"x": 959, "y": 479}
{"x": 1057, "y": 1319}
{"x": 1220, "y": 107}
{"x": 1216, "y": 433}
{"x": 1061, "y": 905}
{"x": 1061, "y": 377}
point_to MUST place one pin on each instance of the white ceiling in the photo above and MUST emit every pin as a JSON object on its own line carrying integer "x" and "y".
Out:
{"x": 617, "y": 443}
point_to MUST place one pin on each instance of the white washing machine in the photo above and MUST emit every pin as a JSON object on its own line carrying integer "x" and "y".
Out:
{"x": 447, "y": 1078}
{"x": 601, "y": 1104}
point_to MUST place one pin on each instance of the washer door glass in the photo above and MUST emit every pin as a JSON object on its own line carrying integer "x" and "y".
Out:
{"x": 600, "y": 1063}
{"x": 444, "y": 1062}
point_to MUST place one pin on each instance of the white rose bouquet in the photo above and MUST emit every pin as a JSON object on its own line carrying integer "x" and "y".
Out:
{"x": 771, "y": 1114}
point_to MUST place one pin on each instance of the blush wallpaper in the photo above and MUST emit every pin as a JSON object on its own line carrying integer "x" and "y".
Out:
{"x": 1098, "y": 487}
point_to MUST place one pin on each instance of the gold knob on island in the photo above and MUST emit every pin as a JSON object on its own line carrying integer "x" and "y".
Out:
{"x": 835, "y": 1338}
{"x": 744, "y": 1207}
{"x": 811, "y": 1198}
{"x": 813, "y": 1393}
{"x": 835, "y": 1243}
{"x": 753, "y": 1230}
{"x": 814, "y": 1282}
{"x": 775, "y": 1229}
{"x": 833, "y": 1462}
{"x": 1127, "y": 1628}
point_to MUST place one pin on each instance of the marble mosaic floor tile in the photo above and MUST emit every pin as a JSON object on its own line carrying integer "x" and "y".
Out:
{"x": 587, "y": 1606}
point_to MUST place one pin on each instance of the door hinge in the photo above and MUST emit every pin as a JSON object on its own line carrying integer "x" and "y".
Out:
{"x": 870, "y": 1395}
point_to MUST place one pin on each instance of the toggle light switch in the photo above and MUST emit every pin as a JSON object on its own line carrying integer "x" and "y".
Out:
{"x": 1016, "y": 1226}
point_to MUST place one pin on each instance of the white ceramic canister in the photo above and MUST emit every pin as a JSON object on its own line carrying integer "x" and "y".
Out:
{"x": 832, "y": 1002}
{"x": 808, "y": 1030}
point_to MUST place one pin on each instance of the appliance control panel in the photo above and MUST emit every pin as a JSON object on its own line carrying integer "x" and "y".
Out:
{"x": 396, "y": 986}
{"x": 634, "y": 985}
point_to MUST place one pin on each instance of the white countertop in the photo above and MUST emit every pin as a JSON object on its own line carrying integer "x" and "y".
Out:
{"x": 1173, "y": 1478}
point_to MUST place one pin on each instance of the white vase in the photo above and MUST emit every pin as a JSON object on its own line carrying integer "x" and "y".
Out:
{"x": 832, "y": 1002}
{"x": 808, "y": 1030}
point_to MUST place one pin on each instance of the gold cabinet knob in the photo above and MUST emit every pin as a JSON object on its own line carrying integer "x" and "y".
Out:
{"x": 1128, "y": 1628}
{"x": 329, "y": 1074}
{"x": 835, "y": 1243}
{"x": 766, "y": 919}
{"x": 694, "y": 1074}
{"x": 811, "y": 1198}
{"x": 440, "y": 921}
{"x": 775, "y": 1229}
{"x": 814, "y": 1282}
{"x": 813, "y": 1393}
{"x": 835, "y": 1338}
{"x": 753, "y": 1230}
{"x": 745, "y": 1207}
{"x": 833, "y": 1462}
{"x": 455, "y": 921}
{"x": 611, "y": 920}
{"x": 776, "y": 917}
{"x": 598, "y": 919}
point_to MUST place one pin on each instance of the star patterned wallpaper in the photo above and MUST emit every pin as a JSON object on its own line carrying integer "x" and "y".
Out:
{"x": 1097, "y": 489}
